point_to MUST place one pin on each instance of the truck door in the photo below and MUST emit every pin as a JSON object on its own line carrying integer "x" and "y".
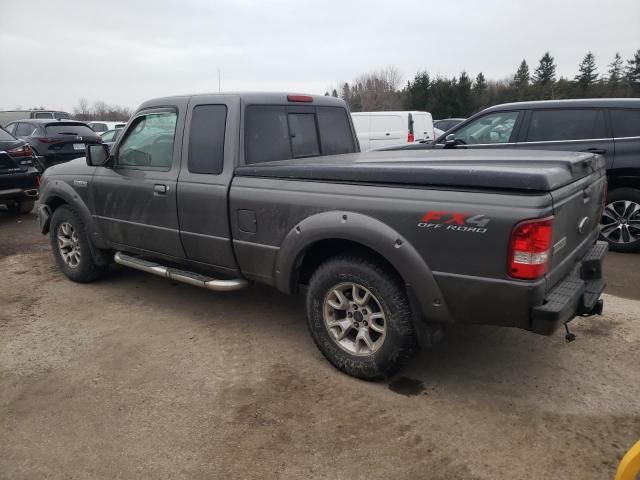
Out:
{"x": 134, "y": 199}
{"x": 209, "y": 154}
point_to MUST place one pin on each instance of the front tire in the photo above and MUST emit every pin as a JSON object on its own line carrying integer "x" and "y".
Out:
{"x": 71, "y": 247}
{"x": 620, "y": 224}
{"x": 359, "y": 317}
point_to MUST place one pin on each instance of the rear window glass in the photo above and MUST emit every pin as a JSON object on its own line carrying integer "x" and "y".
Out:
{"x": 277, "y": 133}
{"x": 267, "y": 134}
{"x": 6, "y": 136}
{"x": 304, "y": 136}
{"x": 578, "y": 124}
{"x": 63, "y": 129}
{"x": 335, "y": 131}
{"x": 206, "y": 139}
{"x": 626, "y": 123}
{"x": 43, "y": 115}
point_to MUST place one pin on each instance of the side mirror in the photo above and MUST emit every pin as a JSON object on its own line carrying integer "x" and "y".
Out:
{"x": 97, "y": 155}
{"x": 450, "y": 141}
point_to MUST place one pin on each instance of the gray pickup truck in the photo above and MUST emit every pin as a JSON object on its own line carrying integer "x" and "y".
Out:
{"x": 222, "y": 190}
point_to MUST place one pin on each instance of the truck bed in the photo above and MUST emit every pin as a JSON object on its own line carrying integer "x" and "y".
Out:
{"x": 532, "y": 171}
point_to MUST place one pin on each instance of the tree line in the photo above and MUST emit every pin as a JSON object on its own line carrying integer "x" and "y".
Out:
{"x": 100, "y": 111}
{"x": 461, "y": 96}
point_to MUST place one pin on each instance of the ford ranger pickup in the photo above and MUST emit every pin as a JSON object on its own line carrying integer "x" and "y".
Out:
{"x": 222, "y": 190}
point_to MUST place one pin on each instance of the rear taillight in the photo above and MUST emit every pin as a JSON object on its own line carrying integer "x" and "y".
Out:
{"x": 530, "y": 248}
{"x": 47, "y": 139}
{"x": 411, "y": 137}
{"x": 21, "y": 151}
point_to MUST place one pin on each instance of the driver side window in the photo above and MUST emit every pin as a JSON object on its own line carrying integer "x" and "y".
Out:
{"x": 492, "y": 128}
{"x": 149, "y": 142}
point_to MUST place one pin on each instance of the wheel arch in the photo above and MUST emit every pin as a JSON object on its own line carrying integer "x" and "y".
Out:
{"x": 58, "y": 193}
{"x": 324, "y": 235}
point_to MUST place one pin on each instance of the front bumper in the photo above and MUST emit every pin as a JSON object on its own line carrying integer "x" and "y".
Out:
{"x": 578, "y": 294}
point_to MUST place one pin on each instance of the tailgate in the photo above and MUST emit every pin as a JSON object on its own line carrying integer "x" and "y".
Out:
{"x": 577, "y": 209}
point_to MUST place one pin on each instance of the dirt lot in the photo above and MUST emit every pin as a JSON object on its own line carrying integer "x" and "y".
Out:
{"x": 137, "y": 377}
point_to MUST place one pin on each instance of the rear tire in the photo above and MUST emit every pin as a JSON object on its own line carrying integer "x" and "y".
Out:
{"x": 71, "y": 247}
{"x": 366, "y": 330}
{"x": 620, "y": 224}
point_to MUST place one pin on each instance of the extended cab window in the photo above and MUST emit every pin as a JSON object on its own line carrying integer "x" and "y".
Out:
{"x": 149, "y": 142}
{"x": 206, "y": 139}
{"x": 626, "y": 123}
{"x": 576, "y": 124}
{"x": 275, "y": 133}
{"x": 492, "y": 128}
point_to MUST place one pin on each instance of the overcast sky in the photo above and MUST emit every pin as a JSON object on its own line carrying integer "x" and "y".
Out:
{"x": 124, "y": 52}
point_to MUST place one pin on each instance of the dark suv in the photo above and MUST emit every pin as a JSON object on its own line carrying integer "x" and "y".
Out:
{"x": 54, "y": 141}
{"x": 609, "y": 127}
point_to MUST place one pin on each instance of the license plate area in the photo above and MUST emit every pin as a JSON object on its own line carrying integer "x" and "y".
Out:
{"x": 78, "y": 146}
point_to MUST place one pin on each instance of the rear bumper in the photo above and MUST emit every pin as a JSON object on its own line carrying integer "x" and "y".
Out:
{"x": 19, "y": 194}
{"x": 578, "y": 294}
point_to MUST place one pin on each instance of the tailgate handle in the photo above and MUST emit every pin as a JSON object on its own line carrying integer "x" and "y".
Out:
{"x": 599, "y": 151}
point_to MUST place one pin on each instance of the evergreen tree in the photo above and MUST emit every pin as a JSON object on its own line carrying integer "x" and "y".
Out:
{"x": 632, "y": 73}
{"x": 615, "y": 71}
{"x": 463, "y": 95}
{"x": 417, "y": 92}
{"x": 480, "y": 93}
{"x": 587, "y": 68}
{"x": 545, "y": 74}
{"x": 334, "y": 93}
{"x": 521, "y": 78}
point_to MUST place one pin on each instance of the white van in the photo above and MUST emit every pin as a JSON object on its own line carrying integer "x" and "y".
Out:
{"x": 382, "y": 129}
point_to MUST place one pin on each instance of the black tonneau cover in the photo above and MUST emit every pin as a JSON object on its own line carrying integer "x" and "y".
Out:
{"x": 531, "y": 170}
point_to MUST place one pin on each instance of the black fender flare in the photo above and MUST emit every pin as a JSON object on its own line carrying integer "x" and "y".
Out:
{"x": 61, "y": 189}
{"x": 372, "y": 233}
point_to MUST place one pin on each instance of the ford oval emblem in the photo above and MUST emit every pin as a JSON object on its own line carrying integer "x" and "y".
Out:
{"x": 583, "y": 224}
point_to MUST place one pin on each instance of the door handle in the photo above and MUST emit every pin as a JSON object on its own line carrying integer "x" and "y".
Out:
{"x": 159, "y": 189}
{"x": 599, "y": 151}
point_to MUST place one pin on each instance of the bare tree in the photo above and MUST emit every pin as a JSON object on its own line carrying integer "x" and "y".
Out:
{"x": 374, "y": 91}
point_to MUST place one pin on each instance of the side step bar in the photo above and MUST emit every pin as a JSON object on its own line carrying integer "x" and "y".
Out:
{"x": 180, "y": 275}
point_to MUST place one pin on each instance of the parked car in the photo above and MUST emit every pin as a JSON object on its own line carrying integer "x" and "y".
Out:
{"x": 380, "y": 129}
{"x": 220, "y": 190}
{"x": 109, "y": 137}
{"x": 102, "y": 126}
{"x": 8, "y": 116}
{"x": 447, "y": 123}
{"x": 54, "y": 141}
{"x": 608, "y": 127}
{"x": 18, "y": 177}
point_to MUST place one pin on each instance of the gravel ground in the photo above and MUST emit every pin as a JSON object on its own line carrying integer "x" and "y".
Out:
{"x": 139, "y": 377}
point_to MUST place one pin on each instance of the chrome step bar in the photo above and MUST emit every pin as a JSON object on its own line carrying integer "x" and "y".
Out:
{"x": 180, "y": 275}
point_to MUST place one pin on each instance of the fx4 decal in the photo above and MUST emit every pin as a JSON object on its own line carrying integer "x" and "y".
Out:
{"x": 456, "y": 221}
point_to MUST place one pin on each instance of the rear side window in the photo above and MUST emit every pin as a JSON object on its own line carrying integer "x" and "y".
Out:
{"x": 62, "y": 129}
{"x": 206, "y": 139}
{"x": 626, "y": 123}
{"x": 304, "y": 135}
{"x": 577, "y": 124}
{"x": 24, "y": 130}
{"x": 335, "y": 131}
